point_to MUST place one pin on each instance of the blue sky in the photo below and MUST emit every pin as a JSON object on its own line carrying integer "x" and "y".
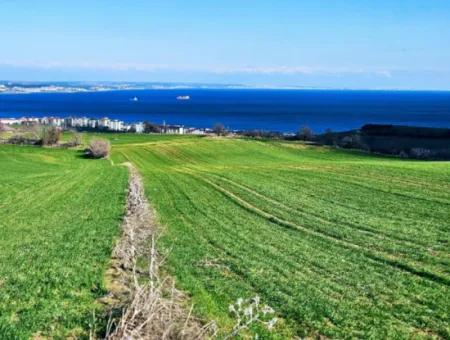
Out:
{"x": 316, "y": 43}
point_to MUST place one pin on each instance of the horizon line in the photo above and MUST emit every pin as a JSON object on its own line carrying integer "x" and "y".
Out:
{"x": 166, "y": 85}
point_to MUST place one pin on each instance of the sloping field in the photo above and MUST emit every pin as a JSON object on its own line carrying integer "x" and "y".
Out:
{"x": 339, "y": 244}
{"x": 59, "y": 215}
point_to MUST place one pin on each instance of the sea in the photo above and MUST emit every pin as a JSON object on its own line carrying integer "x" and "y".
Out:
{"x": 242, "y": 109}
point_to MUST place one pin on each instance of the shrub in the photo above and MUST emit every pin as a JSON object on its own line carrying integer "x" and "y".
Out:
{"x": 352, "y": 142}
{"x": 262, "y": 134}
{"x": 403, "y": 154}
{"x": 421, "y": 153}
{"x": 50, "y": 135}
{"x": 17, "y": 139}
{"x": 150, "y": 127}
{"x": 99, "y": 148}
{"x": 75, "y": 140}
{"x": 31, "y": 132}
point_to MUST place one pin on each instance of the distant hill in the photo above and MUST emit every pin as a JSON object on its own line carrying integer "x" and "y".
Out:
{"x": 405, "y": 141}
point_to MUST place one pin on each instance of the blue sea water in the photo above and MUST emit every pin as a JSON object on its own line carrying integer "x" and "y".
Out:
{"x": 274, "y": 110}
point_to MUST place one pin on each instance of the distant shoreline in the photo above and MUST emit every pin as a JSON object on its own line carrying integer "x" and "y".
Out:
{"x": 25, "y": 87}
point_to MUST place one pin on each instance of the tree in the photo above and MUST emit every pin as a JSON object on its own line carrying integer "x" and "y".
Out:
{"x": 328, "y": 137}
{"x": 305, "y": 133}
{"x": 50, "y": 135}
{"x": 219, "y": 129}
{"x": 150, "y": 127}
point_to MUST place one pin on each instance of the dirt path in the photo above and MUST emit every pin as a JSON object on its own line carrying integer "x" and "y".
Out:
{"x": 151, "y": 307}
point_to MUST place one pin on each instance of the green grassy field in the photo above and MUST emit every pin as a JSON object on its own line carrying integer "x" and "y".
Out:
{"x": 340, "y": 244}
{"x": 124, "y": 138}
{"x": 59, "y": 215}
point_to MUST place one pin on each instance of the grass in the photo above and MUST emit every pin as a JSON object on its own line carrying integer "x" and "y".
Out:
{"x": 340, "y": 244}
{"x": 124, "y": 138}
{"x": 59, "y": 216}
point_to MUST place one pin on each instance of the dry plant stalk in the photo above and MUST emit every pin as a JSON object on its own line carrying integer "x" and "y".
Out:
{"x": 155, "y": 309}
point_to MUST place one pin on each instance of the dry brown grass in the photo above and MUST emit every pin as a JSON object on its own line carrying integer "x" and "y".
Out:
{"x": 152, "y": 308}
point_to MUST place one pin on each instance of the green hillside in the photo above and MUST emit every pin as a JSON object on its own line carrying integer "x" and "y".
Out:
{"x": 340, "y": 244}
{"x": 59, "y": 215}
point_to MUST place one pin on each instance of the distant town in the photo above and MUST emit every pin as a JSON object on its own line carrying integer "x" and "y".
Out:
{"x": 103, "y": 124}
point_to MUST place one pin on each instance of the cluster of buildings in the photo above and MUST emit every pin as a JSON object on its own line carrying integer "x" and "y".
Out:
{"x": 90, "y": 123}
{"x": 102, "y": 124}
{"x": 78, "y": 123}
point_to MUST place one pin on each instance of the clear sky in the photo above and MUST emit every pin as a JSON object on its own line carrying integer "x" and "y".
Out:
{"x": 334, "y": 43}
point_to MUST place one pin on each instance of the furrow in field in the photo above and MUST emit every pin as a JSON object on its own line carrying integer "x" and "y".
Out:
{"x": 378, "y": 257}
{"x": 374, "y": 213}
{"x": 282, "y": 266}
{"x": 313, "y": 280}
{"x": 414, "y": 212}
{"x": 411, "y": 252}
{"x": 302, "y": 212}
{"x": 370, "y": 235}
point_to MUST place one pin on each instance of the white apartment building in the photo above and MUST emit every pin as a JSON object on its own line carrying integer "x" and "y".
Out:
{"x": 116, "y": 125}
{"x": 92, "y": 123}
{"x": 104, "y": 122}
{"x": 139, "y": 127}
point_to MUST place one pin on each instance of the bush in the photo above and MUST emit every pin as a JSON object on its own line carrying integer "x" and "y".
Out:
{"x": 17, "y": 139}
{"x": 403, "y": 154}
{"x": 262, "y": 134}
{"x": 150, "y": 127}
{"x": 99, "y": 148}
{"x": 50, "y": 135}
{"x": 75, "y": 140}
{"x": 421, "y": 153}
{"x": 352, "y": 142}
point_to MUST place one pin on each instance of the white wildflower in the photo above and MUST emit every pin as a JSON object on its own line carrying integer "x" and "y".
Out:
{"x": 271, "y": 323}
{"x": 249, "y": 311}
{"x": 267, "y": 310}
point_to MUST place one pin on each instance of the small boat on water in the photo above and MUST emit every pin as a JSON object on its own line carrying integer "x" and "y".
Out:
{"x": 183, "y": 97}
{"x": 134, "y": 99}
